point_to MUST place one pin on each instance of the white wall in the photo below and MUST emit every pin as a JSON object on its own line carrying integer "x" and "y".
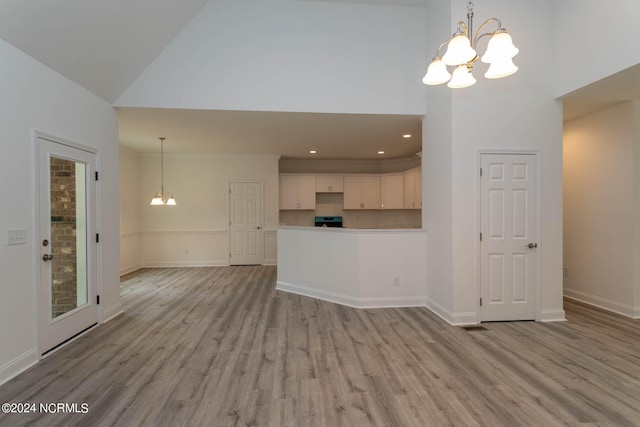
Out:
{"x": 600, "y": 212}
{"x": 195, "y": 232}
{"x": 515, "y": 113}
{"x": 284, "y": 55}
{"x": 35, "y": 97}
{"x": 353, "y": 267}
{"x": 593, "y": 39}
{"x": 129, "y": 177}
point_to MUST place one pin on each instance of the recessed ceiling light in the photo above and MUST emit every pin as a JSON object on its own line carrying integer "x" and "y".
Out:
{"x": 380, "y": 152}
{"x": 406, "y": 135}
{"x": 312, "y": 151}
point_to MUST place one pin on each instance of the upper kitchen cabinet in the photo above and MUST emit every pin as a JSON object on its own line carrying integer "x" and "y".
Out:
{"x": 362, "y": 192}
{"x": 329, "y": 184}
{"x": 297, "y": 192}
{"x": 413, "y": 189}
{"x": 392, "y": 192}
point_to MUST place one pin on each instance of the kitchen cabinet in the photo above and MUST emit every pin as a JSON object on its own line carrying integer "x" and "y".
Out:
{"x": 413, "y": 189}
{"x": 329, "y": 184}
{"x": 297, "y": 192}
{"x": 362, "y": 192}
{"x": 392, "y": 192}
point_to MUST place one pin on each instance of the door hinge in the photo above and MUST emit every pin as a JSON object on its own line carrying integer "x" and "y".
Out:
{"x": 96, "y": 175}
{"x": 480, "y": 171}
{"x": 481, "y": 237}
{"x": 97, "y": 238}
{"x": 480, "y": 302}
{"x": 98, "y": 299}
{"x": 229, "y": 254}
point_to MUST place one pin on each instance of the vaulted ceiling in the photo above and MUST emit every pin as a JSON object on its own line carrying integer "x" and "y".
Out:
{"x": 105, "y": 45}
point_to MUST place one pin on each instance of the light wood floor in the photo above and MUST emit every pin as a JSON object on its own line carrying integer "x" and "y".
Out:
{"x": 219, "y": 346}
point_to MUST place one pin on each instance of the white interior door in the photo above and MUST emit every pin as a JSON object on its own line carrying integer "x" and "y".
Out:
{"x": 67, "y": 288}
{"x": 508, "y": 247}
{"x": 245, "y": 202}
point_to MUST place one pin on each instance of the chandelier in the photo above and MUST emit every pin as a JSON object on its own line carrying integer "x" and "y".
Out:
{"x": 159, "y": 199}
{"x": 461, "y": 54}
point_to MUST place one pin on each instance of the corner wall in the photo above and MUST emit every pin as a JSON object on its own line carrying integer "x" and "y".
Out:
{"x": 37, "y": 98}
{"x": 514, "y": 113}
{"x": 196, "y": 231}
{"x": 601, "y": 216}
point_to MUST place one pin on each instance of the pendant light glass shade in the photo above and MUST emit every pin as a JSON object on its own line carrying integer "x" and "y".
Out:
{"x": 171, "y": 201}
{"x": 437, "y": 73}
{"x": 462, "y": 77}
{"x": 157, "y": 200}
{"x": 500, "y": 47}
{"x": 499, "y": 69}
{"x": 459, "y": 51}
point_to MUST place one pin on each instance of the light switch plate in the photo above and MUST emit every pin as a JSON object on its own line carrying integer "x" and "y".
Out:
{"x": 16, "y": 237}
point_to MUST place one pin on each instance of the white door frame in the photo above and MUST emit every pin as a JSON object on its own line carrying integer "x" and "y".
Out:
{"x": 230, "y": 236}
{"x": 538, "y": 161}
{"x": 93, "y": 270}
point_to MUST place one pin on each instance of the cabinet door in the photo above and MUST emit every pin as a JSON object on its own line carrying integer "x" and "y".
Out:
{"x": 336, "y": 184}
{"x": 409, "y": 190}
{"x": 329, "y": 184}
{"x": 413, "y": 190}
{"x": 371, "y": 192}
{"x": 353, "y": 192}
{"x": 307, "y": 191}
{"x": 289, "y": 192}
{"x": 418, "y": 191}
{"x": 392, "y": 192}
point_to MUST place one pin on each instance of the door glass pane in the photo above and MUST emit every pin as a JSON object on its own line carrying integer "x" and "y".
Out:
{"x": 68, "y": 236}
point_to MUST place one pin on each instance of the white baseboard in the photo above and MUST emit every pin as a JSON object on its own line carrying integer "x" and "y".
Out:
{"x": 315, "y": 293}
{"x": 454, "y": 319}
{"x": 556, "y": 315}
{"x": 18, "y": 365}
{"x": 111, "y": 313}
{"x": 130, "y": 269}
{"x": 603, "y": 303}
{"x": 270, "y": 262}
{"x": 203, "y": 263}
{"x": 351, "y": 301}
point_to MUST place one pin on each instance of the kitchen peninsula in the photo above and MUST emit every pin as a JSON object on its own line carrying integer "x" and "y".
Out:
{"x": 362, "y": 268}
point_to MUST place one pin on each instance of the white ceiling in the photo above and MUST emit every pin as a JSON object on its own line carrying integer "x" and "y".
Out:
{"x": 344, "y": 136}
{"x": 619, "y": 87}
{"x": 102, "y": 45}
{"x": 105, "y": 45}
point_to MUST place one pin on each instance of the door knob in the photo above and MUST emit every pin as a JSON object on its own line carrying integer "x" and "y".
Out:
{"x": 47, "y": 257}
{"x": 532, "y": 245}
{"x": 258, "y": 228}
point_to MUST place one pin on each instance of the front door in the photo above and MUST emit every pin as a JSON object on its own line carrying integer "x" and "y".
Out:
{"x": 508, "y": 247}
{"x": 245, "y": 202}
{"x": 67, "y": 287}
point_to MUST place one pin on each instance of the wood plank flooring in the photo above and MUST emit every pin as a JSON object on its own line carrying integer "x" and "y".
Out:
{"x": 221, "y": 347}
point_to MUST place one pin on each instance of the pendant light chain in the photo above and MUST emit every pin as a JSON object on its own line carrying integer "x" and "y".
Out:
{"x": 162, "y": 166}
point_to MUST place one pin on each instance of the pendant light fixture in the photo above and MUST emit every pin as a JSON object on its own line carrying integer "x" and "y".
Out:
{"x": 159, "y": 199}
{"x": 461, "y": 54}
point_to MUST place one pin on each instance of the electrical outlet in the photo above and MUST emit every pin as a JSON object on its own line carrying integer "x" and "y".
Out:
{"x": 186, "y": 251}
{"x": 16, "y": 237}
{"x": 396, "y": 281}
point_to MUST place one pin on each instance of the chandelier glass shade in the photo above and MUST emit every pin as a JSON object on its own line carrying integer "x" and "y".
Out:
{"x": 159, "y": 199}
{"x": 462, "y": 53}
